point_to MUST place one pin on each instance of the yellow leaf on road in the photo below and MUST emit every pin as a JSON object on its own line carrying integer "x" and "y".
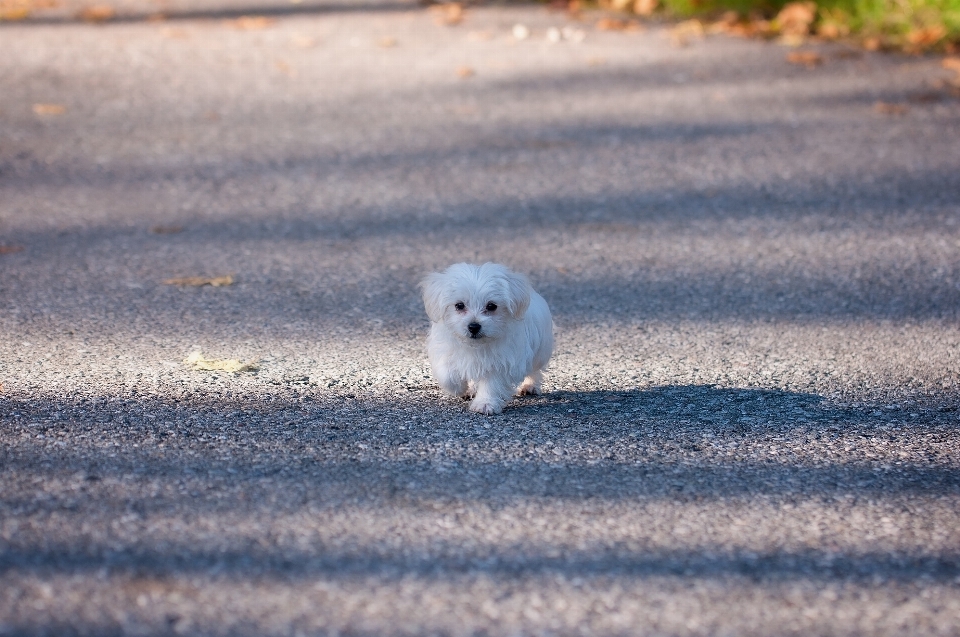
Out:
{"x": 97, "y": 13}
{"x": 888, "y": 108}
{"x": 807, "y": 58}
{"x": 251, "y": 22}
{"x": 197, "y": 281}
{"x": 49, "y": 109}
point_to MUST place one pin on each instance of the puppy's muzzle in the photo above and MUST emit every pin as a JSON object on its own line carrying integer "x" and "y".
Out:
{"x": 474, "y": 330}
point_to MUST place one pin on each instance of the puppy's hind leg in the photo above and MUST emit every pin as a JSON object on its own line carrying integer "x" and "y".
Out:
{"x": 531, "y": 385}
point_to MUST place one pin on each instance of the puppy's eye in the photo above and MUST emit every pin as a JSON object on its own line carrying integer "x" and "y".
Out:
{"x": 459, "y": 306}
{"x": 491, "y": 307}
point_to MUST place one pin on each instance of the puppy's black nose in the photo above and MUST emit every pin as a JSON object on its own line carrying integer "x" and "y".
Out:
{"x": 474, "y": 329}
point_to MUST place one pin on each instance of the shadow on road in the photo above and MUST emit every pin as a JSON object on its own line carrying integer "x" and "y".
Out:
{"x": 273, "y": 10}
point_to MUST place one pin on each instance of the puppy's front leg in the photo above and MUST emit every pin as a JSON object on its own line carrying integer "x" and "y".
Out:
{"x": 492, "y": 395}
{"x": 450, "y": 381}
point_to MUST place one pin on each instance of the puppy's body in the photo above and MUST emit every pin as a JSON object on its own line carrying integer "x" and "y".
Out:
{"x": 491, "y": 337}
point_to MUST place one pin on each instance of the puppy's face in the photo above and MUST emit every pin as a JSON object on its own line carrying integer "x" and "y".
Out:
{"x": 476, "y": 303}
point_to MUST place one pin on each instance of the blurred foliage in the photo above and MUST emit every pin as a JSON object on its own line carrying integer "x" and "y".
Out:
{"x": 909, "y": 25}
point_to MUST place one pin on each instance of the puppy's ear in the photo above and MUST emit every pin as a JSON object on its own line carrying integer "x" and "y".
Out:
{"x": 518, "y": 294}
{"x": 432, "y": 288}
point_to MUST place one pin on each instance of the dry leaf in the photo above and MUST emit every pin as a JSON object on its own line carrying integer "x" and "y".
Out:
{"x": 951, "y": 63}
{"x": 97, "y": 13}
{"x": 174, "y": 34}
{"x": 303, "y": 41}
{"x": 448, "y": 14}
{"x": 645, "y": 7}
{"x": 251, "y": 22}
{"x": 198, "y": 362}
{"x": 13, "y": 249}
{"x": 796, "y": 17}
{"x": 15, "y": 13}
{"x": 596, "y": 61}
{"x": 924, "y": 38}
{"x": 387, "y": 42}
{"x": 49, "y": 109}
{"x": 615, "y": 24}
{"x": 166, "y": 229}
{"x": 791, "y": 39}
{"x": 198, "y": 281}
{"x": 872, "y": 43}
{"x": 886, "y": 108}
{"x": 683, "y": 32}
{"x": 464, "y": 72}
{"x": 809, "y": 59}
{"x": 926, "y": 97}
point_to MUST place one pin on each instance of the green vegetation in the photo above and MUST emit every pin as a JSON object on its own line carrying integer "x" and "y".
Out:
{"x": 909, "y": 25}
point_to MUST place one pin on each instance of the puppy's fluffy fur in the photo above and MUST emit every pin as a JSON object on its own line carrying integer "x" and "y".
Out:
{"x": 491, "y": 337}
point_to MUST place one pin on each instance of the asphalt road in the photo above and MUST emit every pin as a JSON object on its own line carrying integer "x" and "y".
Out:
{"x": 750, "y": 426}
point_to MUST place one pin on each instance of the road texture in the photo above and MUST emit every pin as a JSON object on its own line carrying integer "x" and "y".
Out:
{"x": 750, "y": 426}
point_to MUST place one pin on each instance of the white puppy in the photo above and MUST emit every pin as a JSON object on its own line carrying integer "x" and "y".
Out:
{"x": 491, "y": 337}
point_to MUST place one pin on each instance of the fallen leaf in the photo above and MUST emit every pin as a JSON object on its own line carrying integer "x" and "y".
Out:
{"x": 49, "y": 109}
{"x": 174, "y": 34}
{"x": 887, "y": 108}
{"x": 924, "y": 38}
{"x": 927, "y": 97}
{"x": 166, "y": 229}
{"x": 809, "y": 59}
{"x": 464, "y": 72}
{"x": 12, "y": 249}
{"x": 792, "y": 39}
{"x": 387, "y": 42}
{"x": 683, "y": 32}
{"x": 97, "y": 13}
{"x": 251, "y": 22}
{"x": 596, "y": 61}
{"x": 645, "y": 7}
{"x": 303, "y": 41}
{"x": 14, "y": 13}
{"x": 610, "y": 24}
{"x": 198, "y": 362}
{"x": 951, "y": 63}
{"x": 872, "y": 43}
{"x": 796, "y": 17}
{"x": 449, "y": 13}
{"x": 198, "y": 281}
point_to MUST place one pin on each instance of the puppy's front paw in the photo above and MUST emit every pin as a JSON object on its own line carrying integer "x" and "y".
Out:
{"x": 487, "y": 407}
{"x": 528, "y": 388}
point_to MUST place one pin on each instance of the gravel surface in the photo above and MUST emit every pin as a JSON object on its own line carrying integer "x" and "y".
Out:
{"x": 750, "y": 425}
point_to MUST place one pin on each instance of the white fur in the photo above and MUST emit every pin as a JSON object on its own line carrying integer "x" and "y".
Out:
{"x": 514, "y": 342}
